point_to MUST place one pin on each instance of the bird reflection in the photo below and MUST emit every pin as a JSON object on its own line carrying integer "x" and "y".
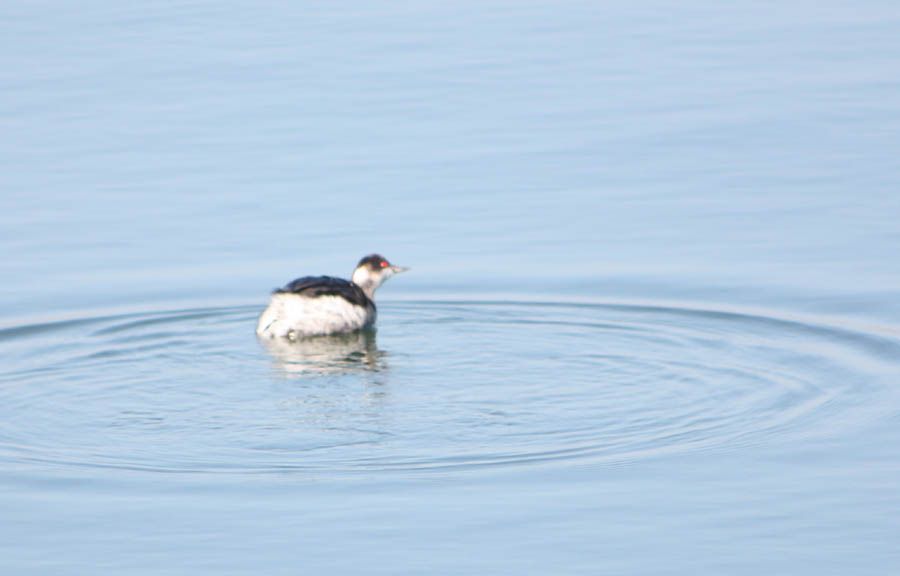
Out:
{"x": 332, "y": 354}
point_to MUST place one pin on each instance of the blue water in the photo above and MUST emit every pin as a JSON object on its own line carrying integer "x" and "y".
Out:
{"x": 652, "y": 324}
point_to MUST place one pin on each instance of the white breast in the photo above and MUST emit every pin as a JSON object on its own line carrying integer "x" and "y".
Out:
{"x": 292, "y": 315}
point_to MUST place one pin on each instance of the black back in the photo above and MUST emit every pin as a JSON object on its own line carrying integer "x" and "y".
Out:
{"x": 315, "y": 286}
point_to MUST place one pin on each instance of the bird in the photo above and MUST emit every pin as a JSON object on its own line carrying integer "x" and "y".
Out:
{"x": 322, "y": 305}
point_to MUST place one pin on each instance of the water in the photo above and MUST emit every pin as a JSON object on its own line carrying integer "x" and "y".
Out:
{"x": 652, "y": 325}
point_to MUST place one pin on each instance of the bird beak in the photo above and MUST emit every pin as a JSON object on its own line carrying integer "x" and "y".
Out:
{"x": 398, "y": 269}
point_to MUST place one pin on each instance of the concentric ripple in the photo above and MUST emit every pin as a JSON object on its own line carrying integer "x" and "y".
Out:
{"x": 442, "y": 386}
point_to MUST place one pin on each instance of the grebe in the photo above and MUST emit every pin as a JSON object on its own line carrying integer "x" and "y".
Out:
{"x": 318, "y": 305}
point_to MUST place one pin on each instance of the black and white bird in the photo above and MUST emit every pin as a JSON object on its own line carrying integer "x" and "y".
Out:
{"x": 319, "y": 305}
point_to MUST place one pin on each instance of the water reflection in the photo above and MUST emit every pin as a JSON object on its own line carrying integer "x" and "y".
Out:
{"x": 339, "y": 353}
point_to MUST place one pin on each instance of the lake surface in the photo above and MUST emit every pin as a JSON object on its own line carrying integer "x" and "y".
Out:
{"x": 652, "y": 324}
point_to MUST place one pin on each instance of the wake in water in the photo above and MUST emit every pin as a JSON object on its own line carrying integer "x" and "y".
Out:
{"x": 469, "y": 384}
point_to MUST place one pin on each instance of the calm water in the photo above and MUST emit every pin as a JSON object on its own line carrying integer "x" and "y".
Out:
{"x": 652, "y": 327}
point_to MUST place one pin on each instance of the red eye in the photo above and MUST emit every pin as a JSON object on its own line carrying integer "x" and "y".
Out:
{"x": 384, "y": 264}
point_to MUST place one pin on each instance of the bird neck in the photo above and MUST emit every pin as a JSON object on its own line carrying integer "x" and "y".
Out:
{"x": 366, "y": 281}
{"x": 368, "y": 288}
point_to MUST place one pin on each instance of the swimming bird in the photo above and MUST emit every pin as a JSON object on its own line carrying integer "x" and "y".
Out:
{"x": 319, "y": 305}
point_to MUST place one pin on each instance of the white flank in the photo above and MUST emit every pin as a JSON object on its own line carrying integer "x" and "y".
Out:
{"x": 292, "y": 315}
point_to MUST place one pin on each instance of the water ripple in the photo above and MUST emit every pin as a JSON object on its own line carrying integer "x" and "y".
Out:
{"x": 445, "y": 386}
